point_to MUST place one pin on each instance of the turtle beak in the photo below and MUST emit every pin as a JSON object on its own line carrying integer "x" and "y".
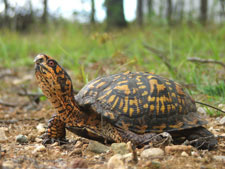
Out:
{"x": 38, "y": 59}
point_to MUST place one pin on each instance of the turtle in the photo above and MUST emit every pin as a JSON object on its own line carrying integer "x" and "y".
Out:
{"x": 123, "y": 107}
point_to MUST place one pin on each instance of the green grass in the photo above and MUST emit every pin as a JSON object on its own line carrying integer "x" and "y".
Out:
{"x": 90, "y": 52}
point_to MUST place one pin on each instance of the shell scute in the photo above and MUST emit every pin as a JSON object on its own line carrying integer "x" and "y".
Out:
{"x": 141, "y": 102}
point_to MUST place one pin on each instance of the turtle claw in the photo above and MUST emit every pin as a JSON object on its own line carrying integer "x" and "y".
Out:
{"x": 49, "y": 140}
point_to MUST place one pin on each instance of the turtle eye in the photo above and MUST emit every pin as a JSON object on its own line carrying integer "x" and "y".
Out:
{"x": 51, "y": 63}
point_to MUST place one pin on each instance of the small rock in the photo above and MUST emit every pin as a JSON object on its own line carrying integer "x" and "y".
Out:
{"x": 120, "y": 148}
{"x": 219, "y": 158}
{"x": 78, "y": 144}
{"x": 8, "y": 165}
{"x": 79, "y": 163}
{"x": 220, "y": 106}
{"x": 115, "y": 162}
{"x": 39, "y": 148}
{"x": 152, "y": 152}
{"x": 21, "y": 139}
{"x": 97, "y": 147}
{"x": 184, "y": 154}
{"x": 195, "y": 154}
{"x": 177, "y": 148}
{"x": 76, "y": 151}
{"x": 41, "y": 128}
{"x": 3, "y": 137}
{"x": 202, "y": 111}
{"x": 54, "y": 144}
{"x": 222, "y": 121}
{"x": 39, "y": 140}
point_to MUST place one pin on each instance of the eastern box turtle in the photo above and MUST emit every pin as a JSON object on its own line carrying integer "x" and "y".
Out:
{"x": 120, "y": 108}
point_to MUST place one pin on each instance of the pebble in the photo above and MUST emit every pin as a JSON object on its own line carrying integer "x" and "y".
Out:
{"x": 21, "y": 139}
{"x": 79, "y": 163}
{"x": 97, "y": 147}
{"x": 41, "y": 128}
{"x": 152, "y": 152}
{"x": 222, "y": 121}
{"x": 120, "y": 148}
{"x": 78, "y": 144}
{"x": 38, "y": 140}
{"x": 39, "y": 148}
{"x": 202, "y": 111}
{"x": 76, "y": 151}
{"x": 195, "y": 154}
{"x": 115, "y": 162}
{"x": 184, "y": 154}
{"x": 219, "y": 158}
{"x": 177, "y": 148}
{"x": 8, "y": 165}
{"x": 3, "y": 137}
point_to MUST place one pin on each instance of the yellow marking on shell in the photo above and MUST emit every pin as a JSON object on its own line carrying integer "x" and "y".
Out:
{"x": 173, "y": 107}
{"x": 111, "y": 98}
{"x": 145, "y": 93}
{"x": 100, "y": 84}
{"x": 115, "y": 102}
{"x": 138, "y": 78}
{"x": 173, "y": 95}
{"x": 100, "y": 98}
{"x": 121, "y": 104}
{"x": 134, "y": 90}
{"x": 161, "y": 127}
{"x": 142, "y": 87}
{"x": 154, "y": 83}
{"x": 139, "y": 83}
{"x": 150, "y": 76}
{"x": 131, "y": 110}
{"x": 163, "y": 108}
{"x": 123, "y": 88}
{"x": 176, "y": 126}
{"x": 93, "y": 83}
{"x": 122, "y": 82}
{"x": 110, "y": 115}
{"x": 151, "y": 99}
{"x": 125, "y": 107}
{"x": 179, "y": 89}
{"x": 168, "y": 83}
{"x": 142, "y": 128}
{"x": 145, "y": 106}
{"x": 126, "y": 73}
{"x": 180, "y": 108}
{"x": 152, "y": 108}
{"x": 183, "y": 103}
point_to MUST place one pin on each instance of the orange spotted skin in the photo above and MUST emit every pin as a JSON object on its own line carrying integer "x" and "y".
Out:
{"x": 117, "y": 108}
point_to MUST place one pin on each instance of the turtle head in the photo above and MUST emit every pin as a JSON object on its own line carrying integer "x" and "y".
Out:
{"x": 54, "y": 81}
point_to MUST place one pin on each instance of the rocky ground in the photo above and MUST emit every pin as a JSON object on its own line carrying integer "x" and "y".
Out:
{"x": 23, "y": 120}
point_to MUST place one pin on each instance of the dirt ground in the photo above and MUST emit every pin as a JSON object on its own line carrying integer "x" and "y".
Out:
{"x": 20, "y": 115}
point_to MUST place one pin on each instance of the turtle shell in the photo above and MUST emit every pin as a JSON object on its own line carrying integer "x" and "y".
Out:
{"x": 140, "y": 102}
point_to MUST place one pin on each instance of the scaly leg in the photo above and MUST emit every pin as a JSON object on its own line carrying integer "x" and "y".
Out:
{"x": 143, "y": 139}
{"x": 55, "y": 132}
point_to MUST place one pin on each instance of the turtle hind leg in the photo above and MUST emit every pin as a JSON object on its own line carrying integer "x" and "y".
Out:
{"x": 199, "y": 137}
{"x": 141, "y": 140}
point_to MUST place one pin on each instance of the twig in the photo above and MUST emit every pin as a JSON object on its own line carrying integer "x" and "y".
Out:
{"x": 199, "y": 60}
{"x": 7, "y": 104}
{"x": 162, "y": 56}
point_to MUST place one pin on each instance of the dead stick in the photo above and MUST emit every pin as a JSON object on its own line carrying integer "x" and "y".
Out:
{"x": 161, "y": 55}
{"x": 196, "y": 59}
{"x": 7, "y": 104}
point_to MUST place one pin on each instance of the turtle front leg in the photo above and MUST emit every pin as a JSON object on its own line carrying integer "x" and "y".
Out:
{"x": 55, "y": 132}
